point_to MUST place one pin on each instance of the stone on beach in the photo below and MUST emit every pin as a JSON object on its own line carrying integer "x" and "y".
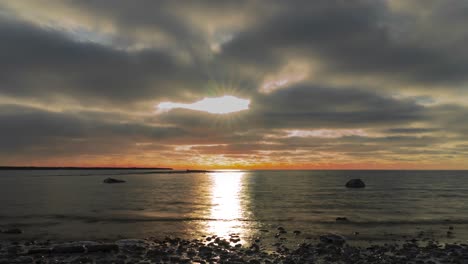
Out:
{"x": 68, "y": 248}
{"x": 39, "y": 250}
{"x": 12, "y": 231}
{"x": 355, "y": 183}
{"x": 102, "y": 247}
{"x": 330, "y": 249}
{"x": 332, "y": 239}
{"x": 112, "y": 180}
{"x": 132, "y": 243}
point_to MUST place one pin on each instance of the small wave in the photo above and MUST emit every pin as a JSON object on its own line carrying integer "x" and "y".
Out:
{"x": 118, "y": 219}
{"x": 134, "y": 219}
{"x": 386, "y": 222}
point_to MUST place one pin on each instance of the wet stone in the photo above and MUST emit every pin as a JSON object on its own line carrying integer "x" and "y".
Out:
{"x": 12, "y": 231}
{"x": 355, "y": 183}
{"x": 23, "y": 260}
{"x": 343, "y": 219}
{"x": 332, "y": 239}
{"x": 68, "y": 249}
{"x": 39, "y": 250}
{"x": 102, "y": 248}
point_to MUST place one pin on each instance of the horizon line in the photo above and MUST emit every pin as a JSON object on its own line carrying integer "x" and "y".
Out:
{"x": 218, "y": 169}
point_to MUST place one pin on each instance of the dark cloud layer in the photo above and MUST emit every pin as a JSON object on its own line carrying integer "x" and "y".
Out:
{"x": 364, "y": 82}
{"x": 38, "y": 62}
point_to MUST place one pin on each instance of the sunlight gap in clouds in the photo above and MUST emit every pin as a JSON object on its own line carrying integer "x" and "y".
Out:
{"x": 326, "y": 133}
{"x": 218, "y": 105}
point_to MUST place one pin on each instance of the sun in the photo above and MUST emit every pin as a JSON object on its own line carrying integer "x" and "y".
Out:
{"x": 215, "y": 105}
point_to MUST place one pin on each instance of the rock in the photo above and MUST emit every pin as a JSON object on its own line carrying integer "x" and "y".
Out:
{"x": 68, "y": 249}
{"x": 82, "y": 260}
{"x": 234, "y": 240}
{"x": 39, "y": 250}
{"x": 12, "y": 231}
{"x": 102, "y": 248}
{"x": 332, "y": 239}
{"x": 355, "y": 183}
{"x": 204, "y": 250}
{"x": 112, "y": 180}
{"x": 341, "y": 219}
{"x": 133, "y": 244}
{"x": 24, "y": 260}
{"x": 13, "y": 250}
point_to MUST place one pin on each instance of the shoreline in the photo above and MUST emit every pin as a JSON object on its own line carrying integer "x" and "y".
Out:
{"x": 327, "y": 248}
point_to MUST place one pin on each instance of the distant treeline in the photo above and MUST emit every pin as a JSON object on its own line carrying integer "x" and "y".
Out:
{"x": 77, "y": 168}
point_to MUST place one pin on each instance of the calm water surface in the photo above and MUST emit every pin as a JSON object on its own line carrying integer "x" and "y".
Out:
{"x": 77, "y": 205}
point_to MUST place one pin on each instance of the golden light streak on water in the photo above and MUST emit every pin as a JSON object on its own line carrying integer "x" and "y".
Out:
{"x": 227, "y": 210}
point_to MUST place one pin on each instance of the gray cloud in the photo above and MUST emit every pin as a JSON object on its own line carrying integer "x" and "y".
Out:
{"x": 44, "y": 63}
{"x": 29, "y": 128}
{"x": 363, "y": 38}
{"x": 81, "y": 78}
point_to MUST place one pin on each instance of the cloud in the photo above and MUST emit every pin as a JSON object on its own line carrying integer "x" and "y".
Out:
{"x": 44, "y": 63}
{"x": 387, "y": 79}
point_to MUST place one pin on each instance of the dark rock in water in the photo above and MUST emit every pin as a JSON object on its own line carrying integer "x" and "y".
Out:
{"x": 112, "y": 180}
{"x": 332, "y": 239}
{"x": 341, "y": 219}
{"x": 355, "y": 183}
{"x": 12, "y": 231}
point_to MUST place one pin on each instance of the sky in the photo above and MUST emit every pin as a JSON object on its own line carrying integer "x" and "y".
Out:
{"x": 246, "y": 84}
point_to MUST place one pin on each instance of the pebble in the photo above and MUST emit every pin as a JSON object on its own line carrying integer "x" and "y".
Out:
{"x": 331, "y": 248}
{"x": 12, "y": 231}
{"x": 68, "y": 249}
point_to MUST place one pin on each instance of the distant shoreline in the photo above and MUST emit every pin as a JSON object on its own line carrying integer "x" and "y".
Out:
{"x": 79, "y": 168}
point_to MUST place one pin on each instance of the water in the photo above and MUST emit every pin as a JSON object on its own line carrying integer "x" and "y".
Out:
{"x": 66, "y": 205}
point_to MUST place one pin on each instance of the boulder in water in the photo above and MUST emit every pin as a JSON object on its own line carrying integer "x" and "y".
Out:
{"x": 112, "y": 180}
{"x": 355, "y": 183}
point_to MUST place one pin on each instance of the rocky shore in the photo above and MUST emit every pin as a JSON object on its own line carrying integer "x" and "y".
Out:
{"x": 330, "y": 248}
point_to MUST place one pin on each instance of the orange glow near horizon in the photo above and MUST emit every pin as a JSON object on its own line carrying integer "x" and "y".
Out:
{"x": 243, "y": 165}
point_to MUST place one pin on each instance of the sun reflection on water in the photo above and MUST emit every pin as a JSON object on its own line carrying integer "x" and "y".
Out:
{"x": 227, "y": 211}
